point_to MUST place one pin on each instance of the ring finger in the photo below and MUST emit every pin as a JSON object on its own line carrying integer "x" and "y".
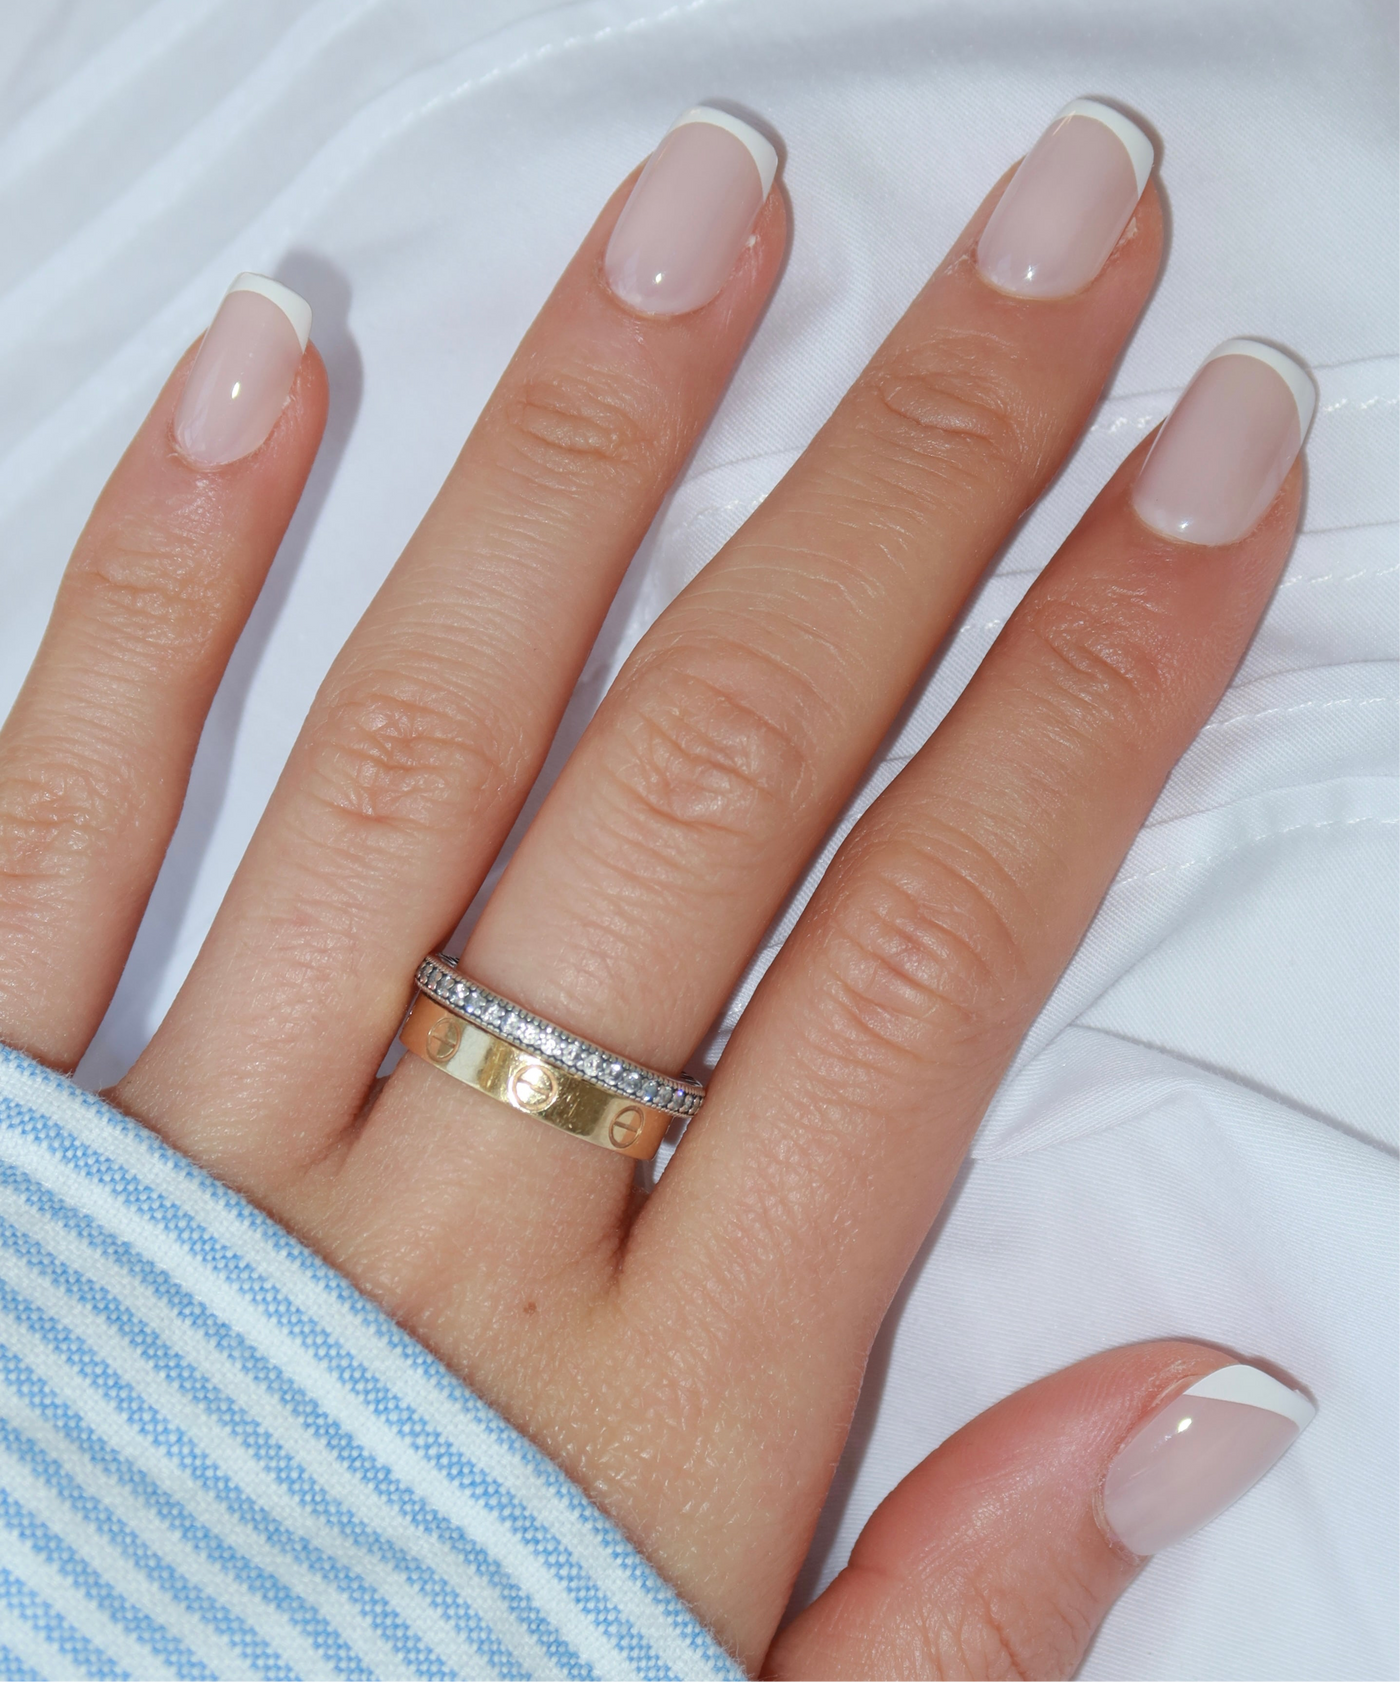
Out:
{"x": 737, "y": 730}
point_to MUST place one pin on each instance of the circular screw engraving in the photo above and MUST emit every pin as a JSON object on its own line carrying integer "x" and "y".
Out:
{"x": 625, "y": 1128}
{"x": 443, "y": 1038}
{"x": 533, "y": 1087}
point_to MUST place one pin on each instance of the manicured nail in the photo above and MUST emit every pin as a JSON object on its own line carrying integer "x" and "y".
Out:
{"x": 1064, "y": 208}
{"x": 1218, "y": 462}
{"x": 690, "y": 213}
{"x": 1199, "y": 1454}
{"x": 242, "y": 372}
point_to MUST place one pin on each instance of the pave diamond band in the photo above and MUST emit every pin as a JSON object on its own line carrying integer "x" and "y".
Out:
{"x": 675, "y": 1094}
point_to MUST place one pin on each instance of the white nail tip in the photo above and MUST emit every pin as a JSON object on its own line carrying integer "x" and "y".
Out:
{"x": 760, "y": 149}
{"x": 1293, "y": 375}
{"x": 1257, "y": 1389}
{"x": 1135, "y": 142}
{"x": 292, "y": 304}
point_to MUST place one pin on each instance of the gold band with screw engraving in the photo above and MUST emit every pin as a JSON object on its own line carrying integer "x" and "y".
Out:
{"x": 571, "y": 1102}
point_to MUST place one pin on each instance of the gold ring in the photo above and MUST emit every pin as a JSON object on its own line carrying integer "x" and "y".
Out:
{"x": 512, "y": 1055}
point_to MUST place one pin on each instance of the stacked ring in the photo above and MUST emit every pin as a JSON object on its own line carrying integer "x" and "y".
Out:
{"x": 512, "y": 1055}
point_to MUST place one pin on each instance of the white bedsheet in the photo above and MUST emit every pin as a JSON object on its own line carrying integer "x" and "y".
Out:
{"x": 1198, "y": 1137}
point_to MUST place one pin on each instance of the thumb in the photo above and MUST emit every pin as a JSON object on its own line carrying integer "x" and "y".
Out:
{"x": 1000, "y": 1553}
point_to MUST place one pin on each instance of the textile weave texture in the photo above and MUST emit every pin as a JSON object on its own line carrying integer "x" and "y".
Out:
{"x": 217, "y": 1459}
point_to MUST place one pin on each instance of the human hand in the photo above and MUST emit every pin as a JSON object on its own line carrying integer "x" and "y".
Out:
{"x": 692, "y": 1360}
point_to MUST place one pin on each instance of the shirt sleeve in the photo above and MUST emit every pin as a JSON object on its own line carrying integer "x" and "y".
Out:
{"x": 219, "y": 1459}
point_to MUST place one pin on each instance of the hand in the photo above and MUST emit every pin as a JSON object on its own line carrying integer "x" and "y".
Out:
{"x": 691, "y": 1358}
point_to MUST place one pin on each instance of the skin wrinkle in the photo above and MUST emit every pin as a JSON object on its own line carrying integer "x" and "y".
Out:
{"x": 875, "y": 523}
{"x": 1100, "y": 667}
{"x": 761, "y": 623}
{"x": 768, "y": 765}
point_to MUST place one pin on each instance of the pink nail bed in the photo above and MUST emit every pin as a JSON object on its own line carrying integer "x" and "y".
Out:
{"x": 242, "y": 372}
{"x": 1197, "y": 1455}
{"x": 689, "y": 214}
{"x": 1217, "y": 464}
{"x": 1066, "y": 207}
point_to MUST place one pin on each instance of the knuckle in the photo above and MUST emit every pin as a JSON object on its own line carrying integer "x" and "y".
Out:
{"x": 577, "y": 423}
{"x": 1099, "y": 664}
{"x": 948, "y": 410}
{"x": 714, "y": 742}
{"x": 394, "y": 753}
{"x": 920, "y": 946}
{"x": 158, "y": 592}
{"x": 54, "y": 820}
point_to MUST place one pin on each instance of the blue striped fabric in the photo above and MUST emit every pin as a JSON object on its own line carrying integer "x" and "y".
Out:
{"x": 217, "y": 1459}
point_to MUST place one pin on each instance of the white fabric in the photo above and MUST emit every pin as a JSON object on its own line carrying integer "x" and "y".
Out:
{"x": 1196, "y": 1136}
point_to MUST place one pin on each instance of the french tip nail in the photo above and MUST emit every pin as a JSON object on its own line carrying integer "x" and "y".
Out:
{"x": 1292, "y": 372}
{"x": 1142, "y": 154}
{"x": 242, "y": 372}
{"x": 761, "y": 149}
{"x": 686, "y": 220}
{"x": 1218, "y": 462}
{"x": 1197, "y": 1454}
{"x": 1064, "y": 210}
{"x": 1253, "y": 1387}
{"x": 292, "y": 304}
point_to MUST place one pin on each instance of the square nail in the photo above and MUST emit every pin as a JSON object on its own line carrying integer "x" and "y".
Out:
{"x": 1197, "y": 1455}
{"x": 1067, "y": 205}
{"x": 1227, "y": 446}
{"x": 242, "y": 372}
{"x": 687, "y": 218}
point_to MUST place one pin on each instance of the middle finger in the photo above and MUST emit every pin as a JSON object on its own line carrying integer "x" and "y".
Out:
{"x": 741, "y": 723}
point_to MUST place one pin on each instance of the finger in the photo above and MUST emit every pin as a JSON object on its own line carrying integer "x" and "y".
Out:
{"x": 435, "y": 718}
{"x": 737, "y": 730}
{"x": 740, "y": 725}
{"x": 847, "y": 1096}
{"x": 1000, "y": 1554}
{"x": 96, "y": 753}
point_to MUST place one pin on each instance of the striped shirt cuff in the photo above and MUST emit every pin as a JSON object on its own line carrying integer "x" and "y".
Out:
{"x": 218, "y": 1459}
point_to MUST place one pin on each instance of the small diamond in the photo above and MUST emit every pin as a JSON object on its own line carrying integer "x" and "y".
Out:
{"x": 648, "y": 1092}
{"x": 494, "y": 1013}
{"x": 593, "y": 1065}
{"x": 614, "y": 1070}
{"x": 631, "y": 1079}
{"x": 459, "y": 992}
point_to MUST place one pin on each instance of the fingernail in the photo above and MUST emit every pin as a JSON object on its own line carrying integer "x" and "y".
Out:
{"x": 1199, "y": 1454}
{"x": 689, "y": 214}
{"x": 242, "y": 372}
{"x": 1218, "y": 462}
{"x": 1064, "y": 208}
